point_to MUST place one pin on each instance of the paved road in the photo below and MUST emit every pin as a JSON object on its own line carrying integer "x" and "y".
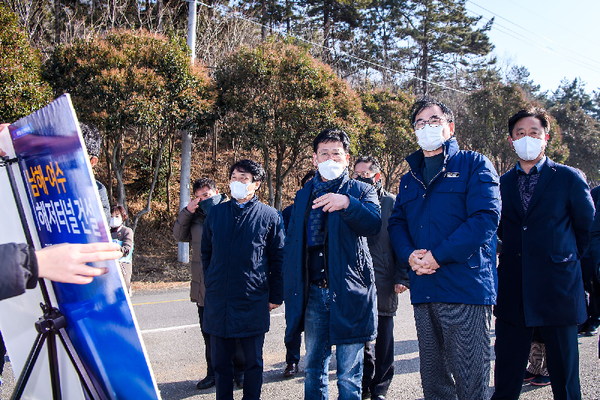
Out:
{"x": 169, "y": 324}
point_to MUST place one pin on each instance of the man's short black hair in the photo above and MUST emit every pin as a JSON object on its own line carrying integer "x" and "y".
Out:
{"x": 535, "y": 112}
{"x": 251, "y": 167}
{"x": 308, "y": 176}
{"x": 375, "y": 167}
{"x": 426, "y": 102}
{"x": 92, "y": 138}
{"x": 332, "y": 135}
{"x": 204, "y": 182}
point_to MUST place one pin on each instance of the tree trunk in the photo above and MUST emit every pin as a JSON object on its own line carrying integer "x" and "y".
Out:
{"x": 264, "y": 20}
{"x": 326, "y": 30}
{"x": 119, "y": 170}
{"x": 148, "y": 207}
{"x": 57, "y": 21}
{"x": 269, "y": 175}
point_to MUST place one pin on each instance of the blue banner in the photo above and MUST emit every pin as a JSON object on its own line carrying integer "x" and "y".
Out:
{"x": 64, "y": 200}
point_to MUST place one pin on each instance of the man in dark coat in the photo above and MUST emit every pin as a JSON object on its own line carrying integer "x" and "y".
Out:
{"x": 328, "y": 272}
{"x": 292, "y": 346}
{"x": 591, "y": 285}
{"x": 547, "y": 211}
{"x": 188, "y": 228}
{"x": 242, "y": 254}
{"x": 444, "y": 226}
{"x": 391, "y": 279}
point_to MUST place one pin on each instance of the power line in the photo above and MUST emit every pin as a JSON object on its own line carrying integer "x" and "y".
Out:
{"x": 541, "y": 45}
{"x": 244, "y": 18}
{"x": 587, "y": 38}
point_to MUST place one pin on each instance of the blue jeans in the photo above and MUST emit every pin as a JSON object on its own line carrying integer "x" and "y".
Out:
{"x": 349, "y": 357}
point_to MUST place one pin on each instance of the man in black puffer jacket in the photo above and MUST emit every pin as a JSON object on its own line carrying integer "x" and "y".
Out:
{"x": 242, "y": 254}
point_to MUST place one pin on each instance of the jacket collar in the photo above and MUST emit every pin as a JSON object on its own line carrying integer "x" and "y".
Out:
{"x": 415, "y": 160}
{"x": 512, "y": 186}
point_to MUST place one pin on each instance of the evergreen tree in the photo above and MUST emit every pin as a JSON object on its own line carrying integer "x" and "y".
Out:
{"x": 380, "y": 36}
{"x": 444, "y": 35}
{"x": 338, "y": 19}
{"x": 22, "y": 90}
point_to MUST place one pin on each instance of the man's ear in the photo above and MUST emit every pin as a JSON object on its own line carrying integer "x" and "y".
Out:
{"x": 377, "y": 177}
{"x": 451, "y": 126}
{"x": 93, "y": 160}
{"x": 510, "y": 141}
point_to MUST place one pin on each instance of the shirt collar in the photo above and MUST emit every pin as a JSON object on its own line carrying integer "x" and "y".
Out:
{"x": 538, "y": 166}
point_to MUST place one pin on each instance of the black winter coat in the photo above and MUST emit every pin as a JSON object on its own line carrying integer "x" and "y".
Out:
{"x": 18, "y": 271}
{"x": 242, "y": 254}
{"x": 388, "y": 268}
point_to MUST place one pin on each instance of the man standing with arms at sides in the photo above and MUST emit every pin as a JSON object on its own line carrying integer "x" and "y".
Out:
{"x": 391, "y": 278}
{"x": 546, "y": 217}
{"x": 188, "y": 228}
{"x": 328, "y": 280}
{"x": 444, "y": 226}
{"x": 242, "y": 254}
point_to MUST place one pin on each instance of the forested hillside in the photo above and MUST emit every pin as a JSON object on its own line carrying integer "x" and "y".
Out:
{"x": 269, "y": 75}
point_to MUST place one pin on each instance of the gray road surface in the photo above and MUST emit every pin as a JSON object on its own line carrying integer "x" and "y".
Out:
{"x": 169, "y": 324}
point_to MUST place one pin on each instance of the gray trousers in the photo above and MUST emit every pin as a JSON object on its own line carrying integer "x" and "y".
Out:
{"x": 454, "y": 350}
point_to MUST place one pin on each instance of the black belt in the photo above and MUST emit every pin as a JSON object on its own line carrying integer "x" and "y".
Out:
{"x": 321, "y": 283}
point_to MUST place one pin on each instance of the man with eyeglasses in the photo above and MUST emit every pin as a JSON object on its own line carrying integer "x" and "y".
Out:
{"x": 444, "y": 226}
{"x": 329, "y": 287}
{"x": 391, "y": 279}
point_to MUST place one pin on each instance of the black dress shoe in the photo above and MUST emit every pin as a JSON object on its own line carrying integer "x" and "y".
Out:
{"x": 239, "y": 381}
{"x": 290, "y": 370}
{"x": 592, "y": 330}
{"x": 206, "y": 383}
{"x": 380, "y": 397}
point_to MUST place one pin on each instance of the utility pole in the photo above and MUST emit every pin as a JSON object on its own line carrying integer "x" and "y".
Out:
{"x": 183, "y": 249}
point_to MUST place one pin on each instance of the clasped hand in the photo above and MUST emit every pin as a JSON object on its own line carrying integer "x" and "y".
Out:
{"x": 422, "y": 262}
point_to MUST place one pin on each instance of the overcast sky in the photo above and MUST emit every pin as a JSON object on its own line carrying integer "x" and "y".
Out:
{"x": 553, "y": 39}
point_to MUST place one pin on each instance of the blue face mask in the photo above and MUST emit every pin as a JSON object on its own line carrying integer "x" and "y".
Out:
{"x": 207, "y": 204}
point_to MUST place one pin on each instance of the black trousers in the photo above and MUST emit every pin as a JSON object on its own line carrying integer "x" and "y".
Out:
{"x": 292, "y": 348}
{"x": 378, "y": 368}
{"x": 238, "y": 357}
{"x": 223, "y": 351}
{"x": 512, "y": 347}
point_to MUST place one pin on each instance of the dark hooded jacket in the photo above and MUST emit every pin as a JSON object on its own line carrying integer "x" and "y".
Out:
{"x": 242, "y": 253}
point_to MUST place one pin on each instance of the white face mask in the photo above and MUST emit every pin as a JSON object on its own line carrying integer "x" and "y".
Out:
{"x": 528, "y": 148}
{"x": 240, "y": 190}
{"x": 115, "y": 222}
{"x": 430, "y": 138}
{"x": 331, "y": 170}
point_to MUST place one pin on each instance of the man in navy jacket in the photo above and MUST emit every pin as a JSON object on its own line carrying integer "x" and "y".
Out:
{"x": 329, "y": 283}
{"x": 547, "y": 211}
{"x": 444, "y": 226}
{"x": 242, "y": 254}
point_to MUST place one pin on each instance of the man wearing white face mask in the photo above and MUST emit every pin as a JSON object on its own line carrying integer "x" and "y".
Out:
{"x": 444, "y": 226}
{"x": 242, "y": 253}
{"x": 329, "y": 283}
{"x": 547, "y": 212}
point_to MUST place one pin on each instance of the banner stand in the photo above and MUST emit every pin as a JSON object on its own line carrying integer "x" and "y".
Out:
{"x": 51, "y": 324}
